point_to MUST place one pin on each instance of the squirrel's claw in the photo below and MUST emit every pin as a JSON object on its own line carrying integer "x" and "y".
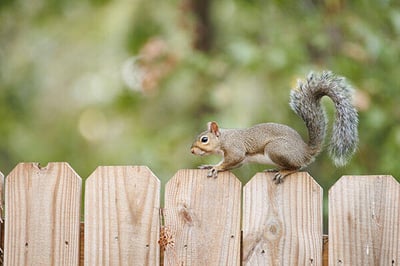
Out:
{"x": 281, "y": 174}
{"x": 278, "y": 178}
{"x": 212, "y": 173}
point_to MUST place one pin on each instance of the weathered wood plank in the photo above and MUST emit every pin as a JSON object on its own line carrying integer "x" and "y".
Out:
{"x": 364, "y": 221}
{"x": 1, "y": 218}
{"x": 282, "y": 224}
{"x": 122, "y": 216}
{"x": 42, "y": 215}
{"x": 202, "y": 217}
{"x": 1, "y": 194}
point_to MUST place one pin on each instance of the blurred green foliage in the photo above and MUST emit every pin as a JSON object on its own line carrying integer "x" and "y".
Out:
{"x": 113, "y": 82}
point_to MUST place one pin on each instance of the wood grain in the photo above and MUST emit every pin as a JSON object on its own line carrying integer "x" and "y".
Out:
{"x": 42, "y": 215}
{"x": 203, "y": 217}
{"x": 1, "y": 218}
{"x": 364, "y": 221}
{"x": 122, "y": 216}
{"x": 282, "y": 224}
{"x": 1, "y": 194}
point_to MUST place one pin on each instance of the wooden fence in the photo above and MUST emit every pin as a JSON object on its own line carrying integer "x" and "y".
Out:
{"x": 205, "y": 221}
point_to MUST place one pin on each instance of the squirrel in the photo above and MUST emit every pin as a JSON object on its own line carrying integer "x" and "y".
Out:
{"x": 280, "y": 145}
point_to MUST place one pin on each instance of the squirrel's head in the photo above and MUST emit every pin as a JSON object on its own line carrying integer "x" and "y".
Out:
{"x": 208, "y": 141}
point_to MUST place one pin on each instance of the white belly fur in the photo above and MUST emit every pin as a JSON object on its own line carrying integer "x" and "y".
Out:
{"x": 259, "y": 158}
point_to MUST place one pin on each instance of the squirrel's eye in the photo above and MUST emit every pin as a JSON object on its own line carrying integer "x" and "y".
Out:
{"x": 204, "y": 139}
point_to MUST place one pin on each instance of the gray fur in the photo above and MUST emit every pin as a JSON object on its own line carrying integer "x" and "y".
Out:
{"x": 305, "y": 102}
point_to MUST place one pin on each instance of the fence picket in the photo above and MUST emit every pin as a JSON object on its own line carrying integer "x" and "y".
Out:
{"x": 1, "y": 217}
{"x": 122, "y": 216}
{"x": 364, "y": 221}
{"x": 42, "y": 215}
{"x": 282, "y": 224}
{"x": 202, "y": 217}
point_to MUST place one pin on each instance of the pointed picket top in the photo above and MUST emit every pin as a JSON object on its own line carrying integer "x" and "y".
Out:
{"x": 122, "y": 216}
{"x": 282, "y": 223}
{"x": 42, "y": 215}
{"x": 364, "y": 215}
{"x": 202, "y": 219}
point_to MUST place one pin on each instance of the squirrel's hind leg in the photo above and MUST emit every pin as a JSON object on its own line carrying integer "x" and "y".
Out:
{"x": 287, "y": 159}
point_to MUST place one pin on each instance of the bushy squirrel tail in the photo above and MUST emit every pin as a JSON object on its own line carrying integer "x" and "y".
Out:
{"x": 305, "y": 102}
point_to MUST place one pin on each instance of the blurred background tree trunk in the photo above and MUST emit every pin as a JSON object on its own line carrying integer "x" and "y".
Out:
{"x": 202, "y": 26}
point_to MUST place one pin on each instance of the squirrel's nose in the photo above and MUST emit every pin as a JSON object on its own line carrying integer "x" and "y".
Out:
{"x": 192, "y": 150}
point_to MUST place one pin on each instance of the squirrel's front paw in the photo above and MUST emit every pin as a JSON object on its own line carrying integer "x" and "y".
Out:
{"x": 212, "y": 173}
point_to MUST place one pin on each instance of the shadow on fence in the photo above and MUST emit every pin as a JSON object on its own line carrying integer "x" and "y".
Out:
{"x": 205, "y": 221}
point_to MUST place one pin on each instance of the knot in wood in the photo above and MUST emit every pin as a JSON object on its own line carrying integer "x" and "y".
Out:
{"x": 272, "y": 230}
{"x": 187, "y": 214}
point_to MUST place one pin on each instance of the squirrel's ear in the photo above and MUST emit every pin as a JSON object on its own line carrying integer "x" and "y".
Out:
{"x": 213, "y": 128}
